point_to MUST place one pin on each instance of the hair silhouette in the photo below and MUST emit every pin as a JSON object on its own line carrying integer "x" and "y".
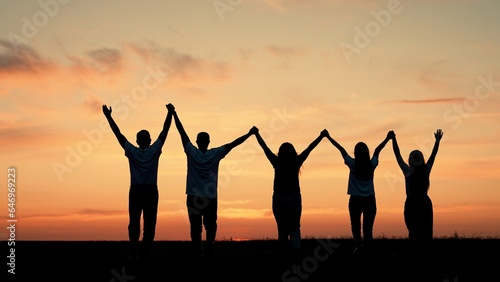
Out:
{"x": 287, "y": 156}
{"x": 364, "y": 168}
{"x": 362, "y": 203}
{"x": 287, "y": 199}
{"x": 287, "y": 152}
{"x": 418, "y": 181}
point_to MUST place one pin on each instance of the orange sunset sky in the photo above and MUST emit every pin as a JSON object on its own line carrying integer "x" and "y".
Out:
{"x": 292, "y": 68}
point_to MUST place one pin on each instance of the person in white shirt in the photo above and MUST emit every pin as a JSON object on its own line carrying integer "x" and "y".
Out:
{"x": 360, "y": 187}
{"x": 201, "y": 185}
{"x": 287, "y": 198}
{"x": 143, "y": 193}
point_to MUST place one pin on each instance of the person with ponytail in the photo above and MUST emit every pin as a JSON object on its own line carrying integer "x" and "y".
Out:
{"x": 418, "y": 211}
{"x": 361, "y": 189}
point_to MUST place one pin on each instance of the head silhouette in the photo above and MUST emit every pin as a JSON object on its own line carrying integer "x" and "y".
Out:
{"x": 361, "y": 151}
{"x": 287, "y": 152}
{"x": 202, "y": 140}
{"x": 364, "y": 168}
{"x": 287, "y": 155}
{"x": 416, "y": 158}
{"x": 418, "y": 181}
{"x": 143, "y": 139}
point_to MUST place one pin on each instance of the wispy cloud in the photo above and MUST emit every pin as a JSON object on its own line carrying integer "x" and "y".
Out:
{"x": 22, "y": 134}
{"x": 285, "y": 51}
{"x": 235, "y": 202}
{"x": 285, "y": 54}
{"x": 86, "y": 213}
{"x": 107, "y": 59}
{"x": 22, "y": 59}
{"x": 110, "y": 61}
{"x": 244, "y": 213}
{"x": 465, "y": 208}
{"x": 438, "y": 75}
{"x": 428, "y": 101}
{"x": 185, "y": 67}
{"x": 284, "y": 5}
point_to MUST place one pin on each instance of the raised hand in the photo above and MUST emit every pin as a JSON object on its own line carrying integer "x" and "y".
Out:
{"x": 106, "y": 111}
{"x": 391, "y": 135}
{"x": 324, "y": 133}
{"x": 438, "y": 135}
{"x": 170, "y": 107}
{"x": 254, "y": 130}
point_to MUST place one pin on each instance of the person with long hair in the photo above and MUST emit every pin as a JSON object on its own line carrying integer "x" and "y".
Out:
{"x": 362, "y": 202}
{"x": 418, "y": 211}
{"x": 287, "y": 199}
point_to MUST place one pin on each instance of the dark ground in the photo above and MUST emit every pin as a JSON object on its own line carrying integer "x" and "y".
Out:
{"x": 323, "y": 260}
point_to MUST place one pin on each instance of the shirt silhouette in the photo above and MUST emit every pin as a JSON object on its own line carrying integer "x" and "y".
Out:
{"x": 143, "y": 193}
{"x": 201, "y": 185}
{"x": 362, "y": 201}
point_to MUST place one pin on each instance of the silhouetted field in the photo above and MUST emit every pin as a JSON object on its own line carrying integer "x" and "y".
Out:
{"x": 258, "y": 260}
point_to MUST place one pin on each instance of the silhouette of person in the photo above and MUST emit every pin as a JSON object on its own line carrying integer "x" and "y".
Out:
{"x": 201, "y": 185}
{"x": 418, "y": 211}
{"x": 143, "y": 194}
{"x": 362, "y": 202}
{"x": 287, "y": 199}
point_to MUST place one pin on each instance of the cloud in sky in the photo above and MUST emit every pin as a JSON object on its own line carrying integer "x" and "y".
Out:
{"x": 22, "y": 59}
{"x": 103, "y": 60}
{"x": 182, "y": 66}
{"x": 98, "y": 213}
{"x": 285, "y": 51}
{"x": 109, "y": 61}
{"x": 285, "y": 5}
{"x": 428, "y": 101}
{"x": 34, "y": 85}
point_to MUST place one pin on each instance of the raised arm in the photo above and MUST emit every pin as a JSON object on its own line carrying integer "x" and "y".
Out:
{"x": 228, "y": 147}
{"x": 438, "y": 135}
{"x": 166, "y": 124}
{"x": 114, "y": 126}
{"x": 395, "y": 148}
{"x": 178, "y": 124}
{"x": 269, "y": 154}
{"x": 382, "y": 144}
{"x": 303, "y": 156}
{"x": 341, "y": 149}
